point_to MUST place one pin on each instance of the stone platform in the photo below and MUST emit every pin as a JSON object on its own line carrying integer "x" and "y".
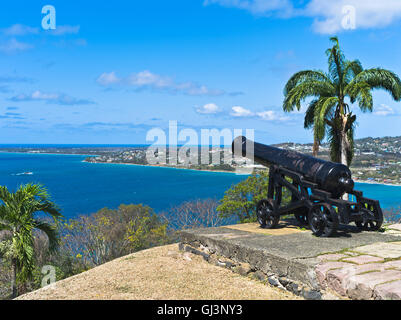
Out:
{"x": 353, "y": 264}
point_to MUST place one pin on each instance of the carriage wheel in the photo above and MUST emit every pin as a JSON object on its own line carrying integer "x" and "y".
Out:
{"x": 374, "y": 223}
{"x": 323, "y": 220}
{"x": 266, "y": 214}
{"x": 301, "y": 215}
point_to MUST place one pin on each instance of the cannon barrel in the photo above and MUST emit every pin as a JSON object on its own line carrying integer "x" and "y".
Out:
{"x": 329, "y": 176}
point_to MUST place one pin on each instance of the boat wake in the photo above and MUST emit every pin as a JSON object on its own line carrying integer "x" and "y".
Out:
{"x": 23, "y": 174}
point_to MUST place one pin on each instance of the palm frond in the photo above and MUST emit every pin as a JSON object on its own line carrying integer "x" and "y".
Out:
{"x": 17, "y": 214}
{"x": 304, "y": 90}
{"x": 323, "y": 107}
{"x": 336, "y": 61}
{"x": 361, "y": 92}
{"x": 378, "y": 78}
{"x": 51, "y": 232}
{"x": 351, "y": 70}
{"x": 302, "y": 76}
{"x": 310, "y": 114}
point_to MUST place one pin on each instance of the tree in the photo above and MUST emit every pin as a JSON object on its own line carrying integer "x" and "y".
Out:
{"x": 329, "y": 113}
{"x": 241, "y": 199}
{"x": 18, "y": 218}
{"x": 194, "y": 214}
{"x": 91, "y": 240}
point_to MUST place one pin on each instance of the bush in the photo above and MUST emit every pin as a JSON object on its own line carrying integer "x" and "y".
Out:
{"x": 194, "y": 214}
{"x": 241, "y": 199}
{"x": 108, "y": 234}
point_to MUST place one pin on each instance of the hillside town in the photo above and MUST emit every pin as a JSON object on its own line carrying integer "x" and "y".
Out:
{"x": 376, "y": 160}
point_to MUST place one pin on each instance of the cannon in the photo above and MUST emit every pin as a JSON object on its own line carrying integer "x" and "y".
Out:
{"x": 316, "y": 189}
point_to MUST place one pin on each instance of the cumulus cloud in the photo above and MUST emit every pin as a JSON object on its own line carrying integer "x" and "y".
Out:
{"x": 238, "y": 111}
{"x": 271, "y": 115}
{"x": 383, "y": 110}
{"x": 55, "y": 98}
{"x": 106, "y": 79}
{"x": 328, "y": 16}
{"x": 209, "y": 108}
{"x": 146, "y": 80}
{"x": 268, "y": 115}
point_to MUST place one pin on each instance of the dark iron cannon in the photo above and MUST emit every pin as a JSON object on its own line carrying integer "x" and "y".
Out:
{"x": 316, "y": 186}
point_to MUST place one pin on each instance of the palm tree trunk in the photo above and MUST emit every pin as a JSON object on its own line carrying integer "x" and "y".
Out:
{"x": 343, "y": 147}
{"x": 14, "y": 278}
{"x": 315, "y": 148}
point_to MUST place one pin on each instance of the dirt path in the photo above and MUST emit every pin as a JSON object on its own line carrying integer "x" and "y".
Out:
{"x": 159, "y": 273}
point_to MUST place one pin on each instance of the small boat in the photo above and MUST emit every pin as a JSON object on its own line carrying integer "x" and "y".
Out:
{"x": 24, "y": 173}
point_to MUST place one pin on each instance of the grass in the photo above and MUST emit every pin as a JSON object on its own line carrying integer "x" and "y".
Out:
{"x": 159, "y": 273}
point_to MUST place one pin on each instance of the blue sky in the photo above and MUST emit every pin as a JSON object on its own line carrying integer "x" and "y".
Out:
{"x": 111, "y": 71}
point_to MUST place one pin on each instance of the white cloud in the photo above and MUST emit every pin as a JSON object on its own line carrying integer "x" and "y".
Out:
{"x": 106, "y": 79}
{"x": 209, "y": 108}
{"x": 238, "y": 111}
{"x": 328, "y": 16}
{"x": 20, "y": 30}
{"x": 383, "y": 110}
{"x": 267, "y": 115}
{"x": 271, "y": 115}
{"x": 61, "y": 30}
{"x": 55, "y": 98}
{"x": 147, "y": 80}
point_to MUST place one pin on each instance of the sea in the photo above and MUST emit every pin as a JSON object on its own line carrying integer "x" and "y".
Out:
{"x": 81, "y": 188}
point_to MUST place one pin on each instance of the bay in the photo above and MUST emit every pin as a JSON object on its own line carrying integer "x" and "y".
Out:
{"x": 83, "y": 188}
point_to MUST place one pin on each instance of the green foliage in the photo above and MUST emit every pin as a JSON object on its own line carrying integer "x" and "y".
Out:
{"x": 18, "y": 221}
{"x": 328, "y": 114}
{"x": 241, "y": 199}
{"x": 71, "y": 246}
{"x": 91, "y": 240}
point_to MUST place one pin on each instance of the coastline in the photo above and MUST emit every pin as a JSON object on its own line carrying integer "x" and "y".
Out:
{"x": 172, "y": 167}
{"x": 161, "y": 166}
{"x": 223, "y": 171}
{"x": 380, "y": 183}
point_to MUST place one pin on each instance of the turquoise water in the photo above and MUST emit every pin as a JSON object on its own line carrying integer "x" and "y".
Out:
{"x": 82, "y": 188}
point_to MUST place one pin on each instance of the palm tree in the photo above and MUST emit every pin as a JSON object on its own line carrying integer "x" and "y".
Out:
{"x": 18, "y": 217}
{"x": 329, "y": 112}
